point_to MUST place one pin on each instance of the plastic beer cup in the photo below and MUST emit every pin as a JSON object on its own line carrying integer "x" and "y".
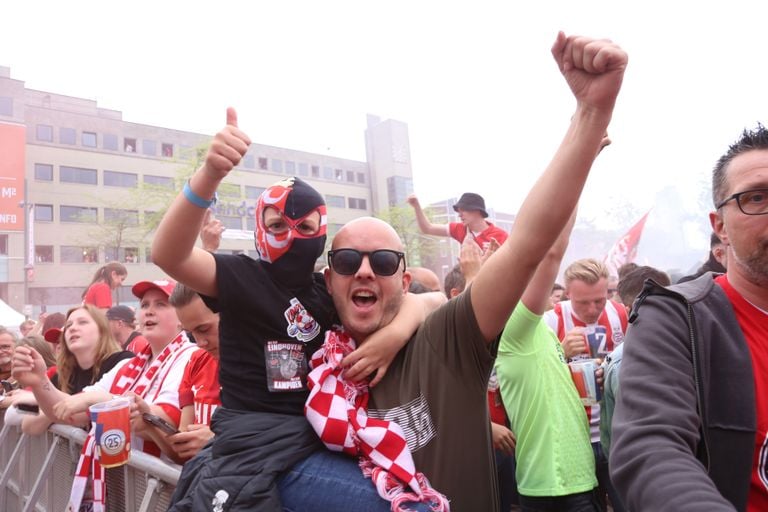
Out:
{"x": 585, "y": 380}
{"x": 112, "y": 421}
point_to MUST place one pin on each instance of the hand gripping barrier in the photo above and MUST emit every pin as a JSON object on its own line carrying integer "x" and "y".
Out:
{"x": 36, "y": 473}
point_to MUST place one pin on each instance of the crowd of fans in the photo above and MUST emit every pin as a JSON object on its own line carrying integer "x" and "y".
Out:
{"x": 373, "y": 386}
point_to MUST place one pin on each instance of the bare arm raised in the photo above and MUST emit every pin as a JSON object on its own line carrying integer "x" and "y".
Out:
{"x": 594, "y": 70}
{"x": 173, "y": 248}
{"x": 425, "y": 226}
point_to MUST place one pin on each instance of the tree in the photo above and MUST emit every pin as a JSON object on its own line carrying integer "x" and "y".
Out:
{"x": 419, "y": 248}
{"x": 129, "y": 223}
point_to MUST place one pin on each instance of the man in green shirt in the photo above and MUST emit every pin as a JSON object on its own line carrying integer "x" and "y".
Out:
{"x": 555, "y": 463}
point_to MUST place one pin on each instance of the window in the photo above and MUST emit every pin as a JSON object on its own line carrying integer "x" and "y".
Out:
{"x": 229, "y": 190}
{"x": 44, "y": 172}
{"x": 43, "y": 254}
{"x": 357, "y": 204}
{"x": 361, "y": 177}
{"x": 89, "y": 139}
{"x": 148, "y": 254}
{"x": 131, "y": 255}
{"x": 253, "y": 192}
{"x": 290, "y": 167}
{"x": 248, "y": 161}
{"x": 109, "y": 141}
{"x": 149, "y": 147}
{"x": 77, "y": 175}
{"x": 303, "y": 169}
{"x": 351, "y": 176}
{"x": 250, "y": 223}
{"x": 315, "y": 171}
{"x": 231, "y": 222}
{"x": 262, "y": 163}
{"x": 328, "y": 173}
{"x": 67, "y": 135}
{"x": 43, "y": 213}
{"x": 159, "y": 181}
{"x": 338, "y": 174}
{"x": 78, "y": 254}
{"x": 3, "y": 245}
{"x": 129, "y": 145}
{"x": 44, "y": 133}
{"x": 77, "y": 214}
{"x": 277, "y": 165}
{"x": 124, "y": 254}
{"x": 116, "y": 216}
{"x": 6, "y": 106}
{"x": 120, "y": 179}
{"x": 398, "y": 189}
{"x": 337, "y": 201}
{"x": 167, "y": 150}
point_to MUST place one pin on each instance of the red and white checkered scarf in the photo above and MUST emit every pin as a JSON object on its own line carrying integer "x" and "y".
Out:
{"x": 130, "y": 378}
{"x": 337, "y": 410}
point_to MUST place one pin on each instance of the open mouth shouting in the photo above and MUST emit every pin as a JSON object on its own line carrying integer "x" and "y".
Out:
{"x": 364, "y": 299}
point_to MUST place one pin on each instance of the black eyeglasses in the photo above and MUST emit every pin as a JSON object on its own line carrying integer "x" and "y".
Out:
{"x": 751, "y": 202}
{"x": 383, "y": 262}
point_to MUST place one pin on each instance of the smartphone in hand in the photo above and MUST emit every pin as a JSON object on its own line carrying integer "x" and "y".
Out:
{"x": 27, "y": 408}
{"x": 160, "y": 423}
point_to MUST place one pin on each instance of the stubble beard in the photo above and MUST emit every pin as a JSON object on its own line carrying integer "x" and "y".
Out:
{"x": 755, "y": 264}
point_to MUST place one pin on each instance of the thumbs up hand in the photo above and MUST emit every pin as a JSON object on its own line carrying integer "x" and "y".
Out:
{"x": 227, "y": 148}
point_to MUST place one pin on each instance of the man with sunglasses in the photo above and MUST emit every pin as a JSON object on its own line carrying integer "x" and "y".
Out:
{"x": 690, "y": 430}
{"x": 435, "y": 388}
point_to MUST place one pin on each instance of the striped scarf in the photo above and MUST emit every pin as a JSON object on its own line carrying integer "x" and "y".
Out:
{"x": 337, "y": 410}
{"x": 130, "y": 378}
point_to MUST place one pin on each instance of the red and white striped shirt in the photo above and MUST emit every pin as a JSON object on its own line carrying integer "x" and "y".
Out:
{"x": 613, "y": 319}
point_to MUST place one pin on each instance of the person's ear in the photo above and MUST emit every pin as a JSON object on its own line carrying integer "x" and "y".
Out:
{"x": 406, "y": 281}
{"x": 718, "y": 226}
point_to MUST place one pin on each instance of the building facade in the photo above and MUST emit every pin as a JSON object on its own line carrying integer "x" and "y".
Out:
{"x": 80, "y": 187}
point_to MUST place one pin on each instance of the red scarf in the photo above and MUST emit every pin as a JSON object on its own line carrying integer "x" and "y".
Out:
{"x": 131, "y": 377}
{"x": 336, "y": 409}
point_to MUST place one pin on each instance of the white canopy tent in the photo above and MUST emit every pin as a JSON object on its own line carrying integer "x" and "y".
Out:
{"x": 10, "y": 318}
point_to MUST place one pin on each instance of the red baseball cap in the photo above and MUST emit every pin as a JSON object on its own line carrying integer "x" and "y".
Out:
{"x": 164, "y": 285}
{"x": 52, "y": 335}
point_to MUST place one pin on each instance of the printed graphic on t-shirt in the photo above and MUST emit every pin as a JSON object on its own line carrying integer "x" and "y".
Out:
{"x": 301, "y": 325}
{"x": 596, "y": 338}
{"x": 415, "y": 420}
{"x": 286, "y": 366}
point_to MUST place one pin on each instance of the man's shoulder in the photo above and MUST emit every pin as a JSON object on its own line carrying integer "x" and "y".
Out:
{"x": 697, "y": 293}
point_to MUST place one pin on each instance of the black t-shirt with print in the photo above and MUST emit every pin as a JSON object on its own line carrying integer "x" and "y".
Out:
{"x": 267, "y": 333}
{"x": 81, "y": 378}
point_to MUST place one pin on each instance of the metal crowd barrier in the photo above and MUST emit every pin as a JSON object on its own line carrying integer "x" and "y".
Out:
{"x": 36, "y": 474}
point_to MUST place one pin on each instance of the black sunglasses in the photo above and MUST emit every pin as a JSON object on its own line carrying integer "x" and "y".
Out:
{"x": 383, "y": 262}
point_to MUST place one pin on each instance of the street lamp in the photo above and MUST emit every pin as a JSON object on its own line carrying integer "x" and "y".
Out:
{"x": 29, "y": 250}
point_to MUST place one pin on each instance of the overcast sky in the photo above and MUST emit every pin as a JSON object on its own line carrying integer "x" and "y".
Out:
{"x": 474, "y": 81}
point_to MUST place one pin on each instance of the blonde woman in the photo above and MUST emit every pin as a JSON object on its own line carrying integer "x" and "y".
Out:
{"x": 88, "y": 351}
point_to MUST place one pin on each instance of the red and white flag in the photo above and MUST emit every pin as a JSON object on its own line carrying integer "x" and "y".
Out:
{"x": 625, "y": 249}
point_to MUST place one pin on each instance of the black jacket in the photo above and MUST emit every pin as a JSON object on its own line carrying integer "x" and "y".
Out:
{"x": 248, "y": 454}
{"x": 685, "y": 420}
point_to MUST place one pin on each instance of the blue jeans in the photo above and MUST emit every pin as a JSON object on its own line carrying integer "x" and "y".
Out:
{"x": 328, "y": 482}
{"x": 505, "y": 470}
